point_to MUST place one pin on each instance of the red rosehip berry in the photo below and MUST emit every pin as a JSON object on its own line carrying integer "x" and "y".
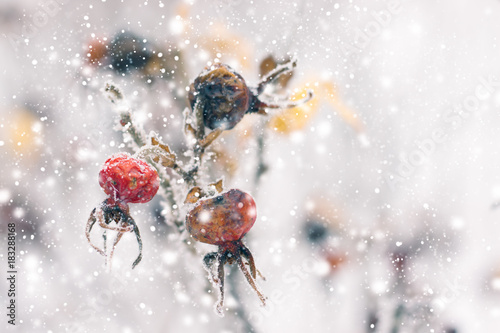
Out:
{"x": 126, "y": 180}
{"x": 224, "y": 97}
{"x": 223, "y": 221}
{"x": 224, "y": 218}
{"x": 129, "y": 179}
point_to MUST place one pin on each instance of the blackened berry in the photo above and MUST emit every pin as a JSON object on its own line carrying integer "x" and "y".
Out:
{"x": 128, "y": 52}
{"x": 222, "y": 94}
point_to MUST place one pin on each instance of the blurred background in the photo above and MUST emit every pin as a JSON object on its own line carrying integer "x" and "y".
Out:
{"x": 378, "y": 211}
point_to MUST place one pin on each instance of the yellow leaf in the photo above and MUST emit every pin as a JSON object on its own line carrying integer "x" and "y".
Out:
{"x": 25, "y": 133}
{"x": 296, "y": 118}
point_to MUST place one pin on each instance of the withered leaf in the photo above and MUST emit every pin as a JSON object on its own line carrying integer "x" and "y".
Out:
{"x": 218, "y": 186}
{"x": 194, "y": 195}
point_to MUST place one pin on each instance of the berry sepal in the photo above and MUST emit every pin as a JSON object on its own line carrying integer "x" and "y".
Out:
{"x": 223, "y": 220}
{"x": 214, "y": 262}
{"x": 112, "y": 211}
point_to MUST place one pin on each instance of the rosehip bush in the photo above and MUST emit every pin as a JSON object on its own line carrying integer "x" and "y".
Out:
{"x": 219, "y": 98}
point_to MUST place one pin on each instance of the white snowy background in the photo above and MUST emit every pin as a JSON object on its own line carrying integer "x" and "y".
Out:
{"x": 420, "y": 181}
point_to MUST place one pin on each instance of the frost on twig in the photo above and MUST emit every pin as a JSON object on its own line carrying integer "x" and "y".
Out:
{"x": 262, "y": 167}
{"x": 160, "y": 155}
{"x": 123, "y": 109}
{"x": 274, "y": 102}
{"x": 155, "y": 153}
{"x": 274, "y": 74}
{"x": 215, "y": 269}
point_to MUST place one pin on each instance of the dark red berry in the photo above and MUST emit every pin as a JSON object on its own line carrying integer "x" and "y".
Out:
{"x": 222, "y": 219}
{"x": 222, "y": 94}
{"x": 97, "y": 51}
{"x": 128, "y": 52}
{"x": 129, "y": 179}
{"x": 126, "y": 180}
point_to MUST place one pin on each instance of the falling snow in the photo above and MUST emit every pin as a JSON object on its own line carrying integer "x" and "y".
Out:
{"x": 377, "y": 199}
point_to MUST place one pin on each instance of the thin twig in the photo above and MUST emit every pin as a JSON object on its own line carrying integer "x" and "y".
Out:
{"x": 190, "y": 177}
{"x": 126, "y": 122}
{"x": 261, "y": 164}
{"x": 139, "y": 139}
{"x": 168, "y": 194}
{"x": 275, "y": 73}
{"x": 284, "y": 105}
{"x": 397, "y": 318}
{"x": 199, "y": 149}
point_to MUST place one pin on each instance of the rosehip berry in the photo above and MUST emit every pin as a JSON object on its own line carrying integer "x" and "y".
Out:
{"x": 223, "y": 221}
{"x": 97, "y": 51}
{"x": 224, "y": 218}
{"x": 128, "y": 51}
{"x": 223, "y": 96}
{"x": 126, "y": 180}
{"x": 129, "y": 179}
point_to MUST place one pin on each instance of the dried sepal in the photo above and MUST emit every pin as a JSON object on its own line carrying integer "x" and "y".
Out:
{"x": 108, "y": 212}
{"x": 88, "y": 228}
{"x": 213, "y": 263}
{"x": 268, "y": 64}
{"x": 295, "y": 118}
{"x": 163, "y": 154}
{"x": 190, "y": 129}
{"x": 210, "y": 137}
{"x": 167, "y": 159}
{"x": 167, "y": 162}
{"x": 194, "y": 194}
{"x": 283, "y": 69}
{"x": 218, "y": 185}
{"x": 157, "y": 142}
